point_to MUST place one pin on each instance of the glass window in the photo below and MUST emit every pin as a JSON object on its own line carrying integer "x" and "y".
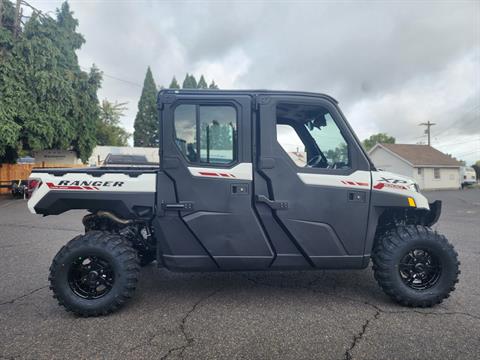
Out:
{"x": 292, "y": 144}
{"x": 217, "y": 134}
{"x": 186, "y": 131}
{"x": 419, "y": 170}
{"x": 311, "y": 137}
{"x": 217, "y": 131}
{"x": 436, "y": 173}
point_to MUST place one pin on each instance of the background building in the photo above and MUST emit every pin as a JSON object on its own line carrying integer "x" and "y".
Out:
{"x": 432, "y": 169}
{"x": 100, "y": 153}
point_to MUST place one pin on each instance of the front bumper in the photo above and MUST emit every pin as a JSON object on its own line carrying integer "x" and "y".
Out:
{"x": 434, "y": 214}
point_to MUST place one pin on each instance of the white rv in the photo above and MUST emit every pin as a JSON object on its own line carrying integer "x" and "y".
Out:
{"x": 468, "y": 176}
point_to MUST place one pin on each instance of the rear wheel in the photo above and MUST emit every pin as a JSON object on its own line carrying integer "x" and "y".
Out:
{"x": 415, "y": 266}
{"x": 94, "y": 274}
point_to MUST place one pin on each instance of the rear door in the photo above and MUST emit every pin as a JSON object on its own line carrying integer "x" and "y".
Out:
{"x": 314, "y": 180}
{"x": 207, "y": 154}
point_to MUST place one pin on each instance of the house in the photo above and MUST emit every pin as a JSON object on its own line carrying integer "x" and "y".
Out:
{"x": 53, "y": 157}
{"x": 432, "y": 169}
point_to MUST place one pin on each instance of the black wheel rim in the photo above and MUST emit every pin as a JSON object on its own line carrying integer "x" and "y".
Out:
{"x": 91, "y": 277}
{"x": 420, "y": 269}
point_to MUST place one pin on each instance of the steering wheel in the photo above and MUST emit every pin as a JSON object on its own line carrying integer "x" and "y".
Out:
{"x": 317, "y": 161}
{"x": 337, "y": 165}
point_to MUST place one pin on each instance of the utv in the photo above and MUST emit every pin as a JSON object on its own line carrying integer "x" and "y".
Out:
{"x": 247, "y": 180}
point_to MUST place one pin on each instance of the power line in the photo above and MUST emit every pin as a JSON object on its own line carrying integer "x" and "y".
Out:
{"x": 467, "y": 153}
{"x": 458, "y": 142}
{"x": 114, "y": 77}
{"x": 463, "y": 118}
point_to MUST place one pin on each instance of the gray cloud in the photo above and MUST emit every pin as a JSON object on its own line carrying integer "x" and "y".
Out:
{"x": 390, "y": 64}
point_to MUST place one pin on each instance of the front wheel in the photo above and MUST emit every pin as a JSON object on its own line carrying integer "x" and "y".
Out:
{"x": 94, "y": 274}
{"x": 415, "y": 266}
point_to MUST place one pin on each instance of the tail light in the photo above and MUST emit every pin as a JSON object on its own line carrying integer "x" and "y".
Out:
{"x": 33, "y": 184}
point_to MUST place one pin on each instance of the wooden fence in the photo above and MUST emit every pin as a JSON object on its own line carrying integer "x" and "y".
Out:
{"x": 9, "y": 172}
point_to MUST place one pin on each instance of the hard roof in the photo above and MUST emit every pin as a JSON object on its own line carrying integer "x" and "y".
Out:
{"x": 252, "y": 92}
{"x": 422, "y": 155}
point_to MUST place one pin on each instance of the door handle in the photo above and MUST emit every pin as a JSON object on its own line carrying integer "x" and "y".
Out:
{"x": 357, "y": 196}
{"x": 184, "y": 205}
{"x": 275, "y": 205}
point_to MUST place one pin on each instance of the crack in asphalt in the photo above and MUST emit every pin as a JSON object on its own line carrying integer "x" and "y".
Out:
{"x": 359, "y": 336}
{"x": 378, "y": 310}
{"x": 189, "y": 340}
{"x": 23, "y": 295}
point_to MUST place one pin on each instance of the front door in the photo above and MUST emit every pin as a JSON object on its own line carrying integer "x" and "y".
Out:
{"x": 312, "y": 181}
{"x": 207, "y": 153}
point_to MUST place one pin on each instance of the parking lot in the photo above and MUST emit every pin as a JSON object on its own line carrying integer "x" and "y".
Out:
{"x": 245, "y": 315}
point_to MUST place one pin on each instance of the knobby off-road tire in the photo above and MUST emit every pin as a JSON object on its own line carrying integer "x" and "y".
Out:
{"x": 94, "y": 274}
{"x": 415, "y": 266}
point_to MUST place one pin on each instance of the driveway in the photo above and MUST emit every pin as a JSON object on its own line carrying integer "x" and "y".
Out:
{"x": 245, "y": 315}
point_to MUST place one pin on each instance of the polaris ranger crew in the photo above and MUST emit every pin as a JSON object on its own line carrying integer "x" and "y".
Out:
{"x": 248, "y": 180}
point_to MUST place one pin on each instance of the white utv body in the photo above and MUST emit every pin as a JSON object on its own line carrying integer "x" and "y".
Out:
{"x": 248, "y": 180}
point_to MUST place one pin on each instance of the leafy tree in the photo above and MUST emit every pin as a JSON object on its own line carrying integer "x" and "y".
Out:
{"x": 146, "y": 122}
{"x": 476, "y": 167}
{"x": 202, "y": 84}
{"x": 174, "y": 84}
{"x": 46, "y": 100}
{"x": 338, "y": 155}
{"x": 109, "y": 131}
{"x": 377, "y": 138}
{"x": 213, "y": 85}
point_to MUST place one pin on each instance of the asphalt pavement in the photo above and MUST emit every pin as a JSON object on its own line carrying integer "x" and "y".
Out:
{"x": 243, "y": 315}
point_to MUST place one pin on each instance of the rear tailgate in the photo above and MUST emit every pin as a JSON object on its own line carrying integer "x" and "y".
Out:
{"x": 128, "y": 192}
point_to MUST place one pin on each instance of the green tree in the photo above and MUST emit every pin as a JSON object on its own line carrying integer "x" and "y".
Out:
{"x": 146, "y": 122}
{"x": 338, "y": 155}
{"x": 202, "y": 84}
{"x": 476, "y": 167}
{"x": 213, "y": 85}
{"x": 190, "y": 82}
{"x": 174, "y": 84}
{"x": 46, "y": 100}
{"x": 109, "y": 131}
{"x": 381, "y": 138}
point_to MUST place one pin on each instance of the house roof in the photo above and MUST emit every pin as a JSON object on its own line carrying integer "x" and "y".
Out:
{"x": 419, "y": 155}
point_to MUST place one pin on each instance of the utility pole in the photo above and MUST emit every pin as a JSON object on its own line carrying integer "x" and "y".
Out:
{"x": 428, "y": 124}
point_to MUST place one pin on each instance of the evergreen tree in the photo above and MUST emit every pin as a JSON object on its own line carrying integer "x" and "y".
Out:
{"x": 174, "y": 84}
{"x": 186, "y": 82}
{"x": 213, "y": 85}
{"x": 193, "y": 82}
{"x": 190, "y": 82}
{"x": 46, "y": 101}
{"x": 202, "y": 84}
{"x": 146, "y": 122}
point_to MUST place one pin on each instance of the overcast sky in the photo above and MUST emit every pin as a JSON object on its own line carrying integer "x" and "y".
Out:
{"x": 390, "y": 64}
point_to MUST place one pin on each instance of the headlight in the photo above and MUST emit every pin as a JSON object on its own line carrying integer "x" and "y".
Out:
{"x": 414, "y": 187}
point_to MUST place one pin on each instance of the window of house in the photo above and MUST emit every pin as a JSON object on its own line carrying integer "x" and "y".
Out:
{"x": 206, "y": 134}
{"x": 310, "y": 136}
{"x": 419, "y": 171}
{"x": 436, "y": 173}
